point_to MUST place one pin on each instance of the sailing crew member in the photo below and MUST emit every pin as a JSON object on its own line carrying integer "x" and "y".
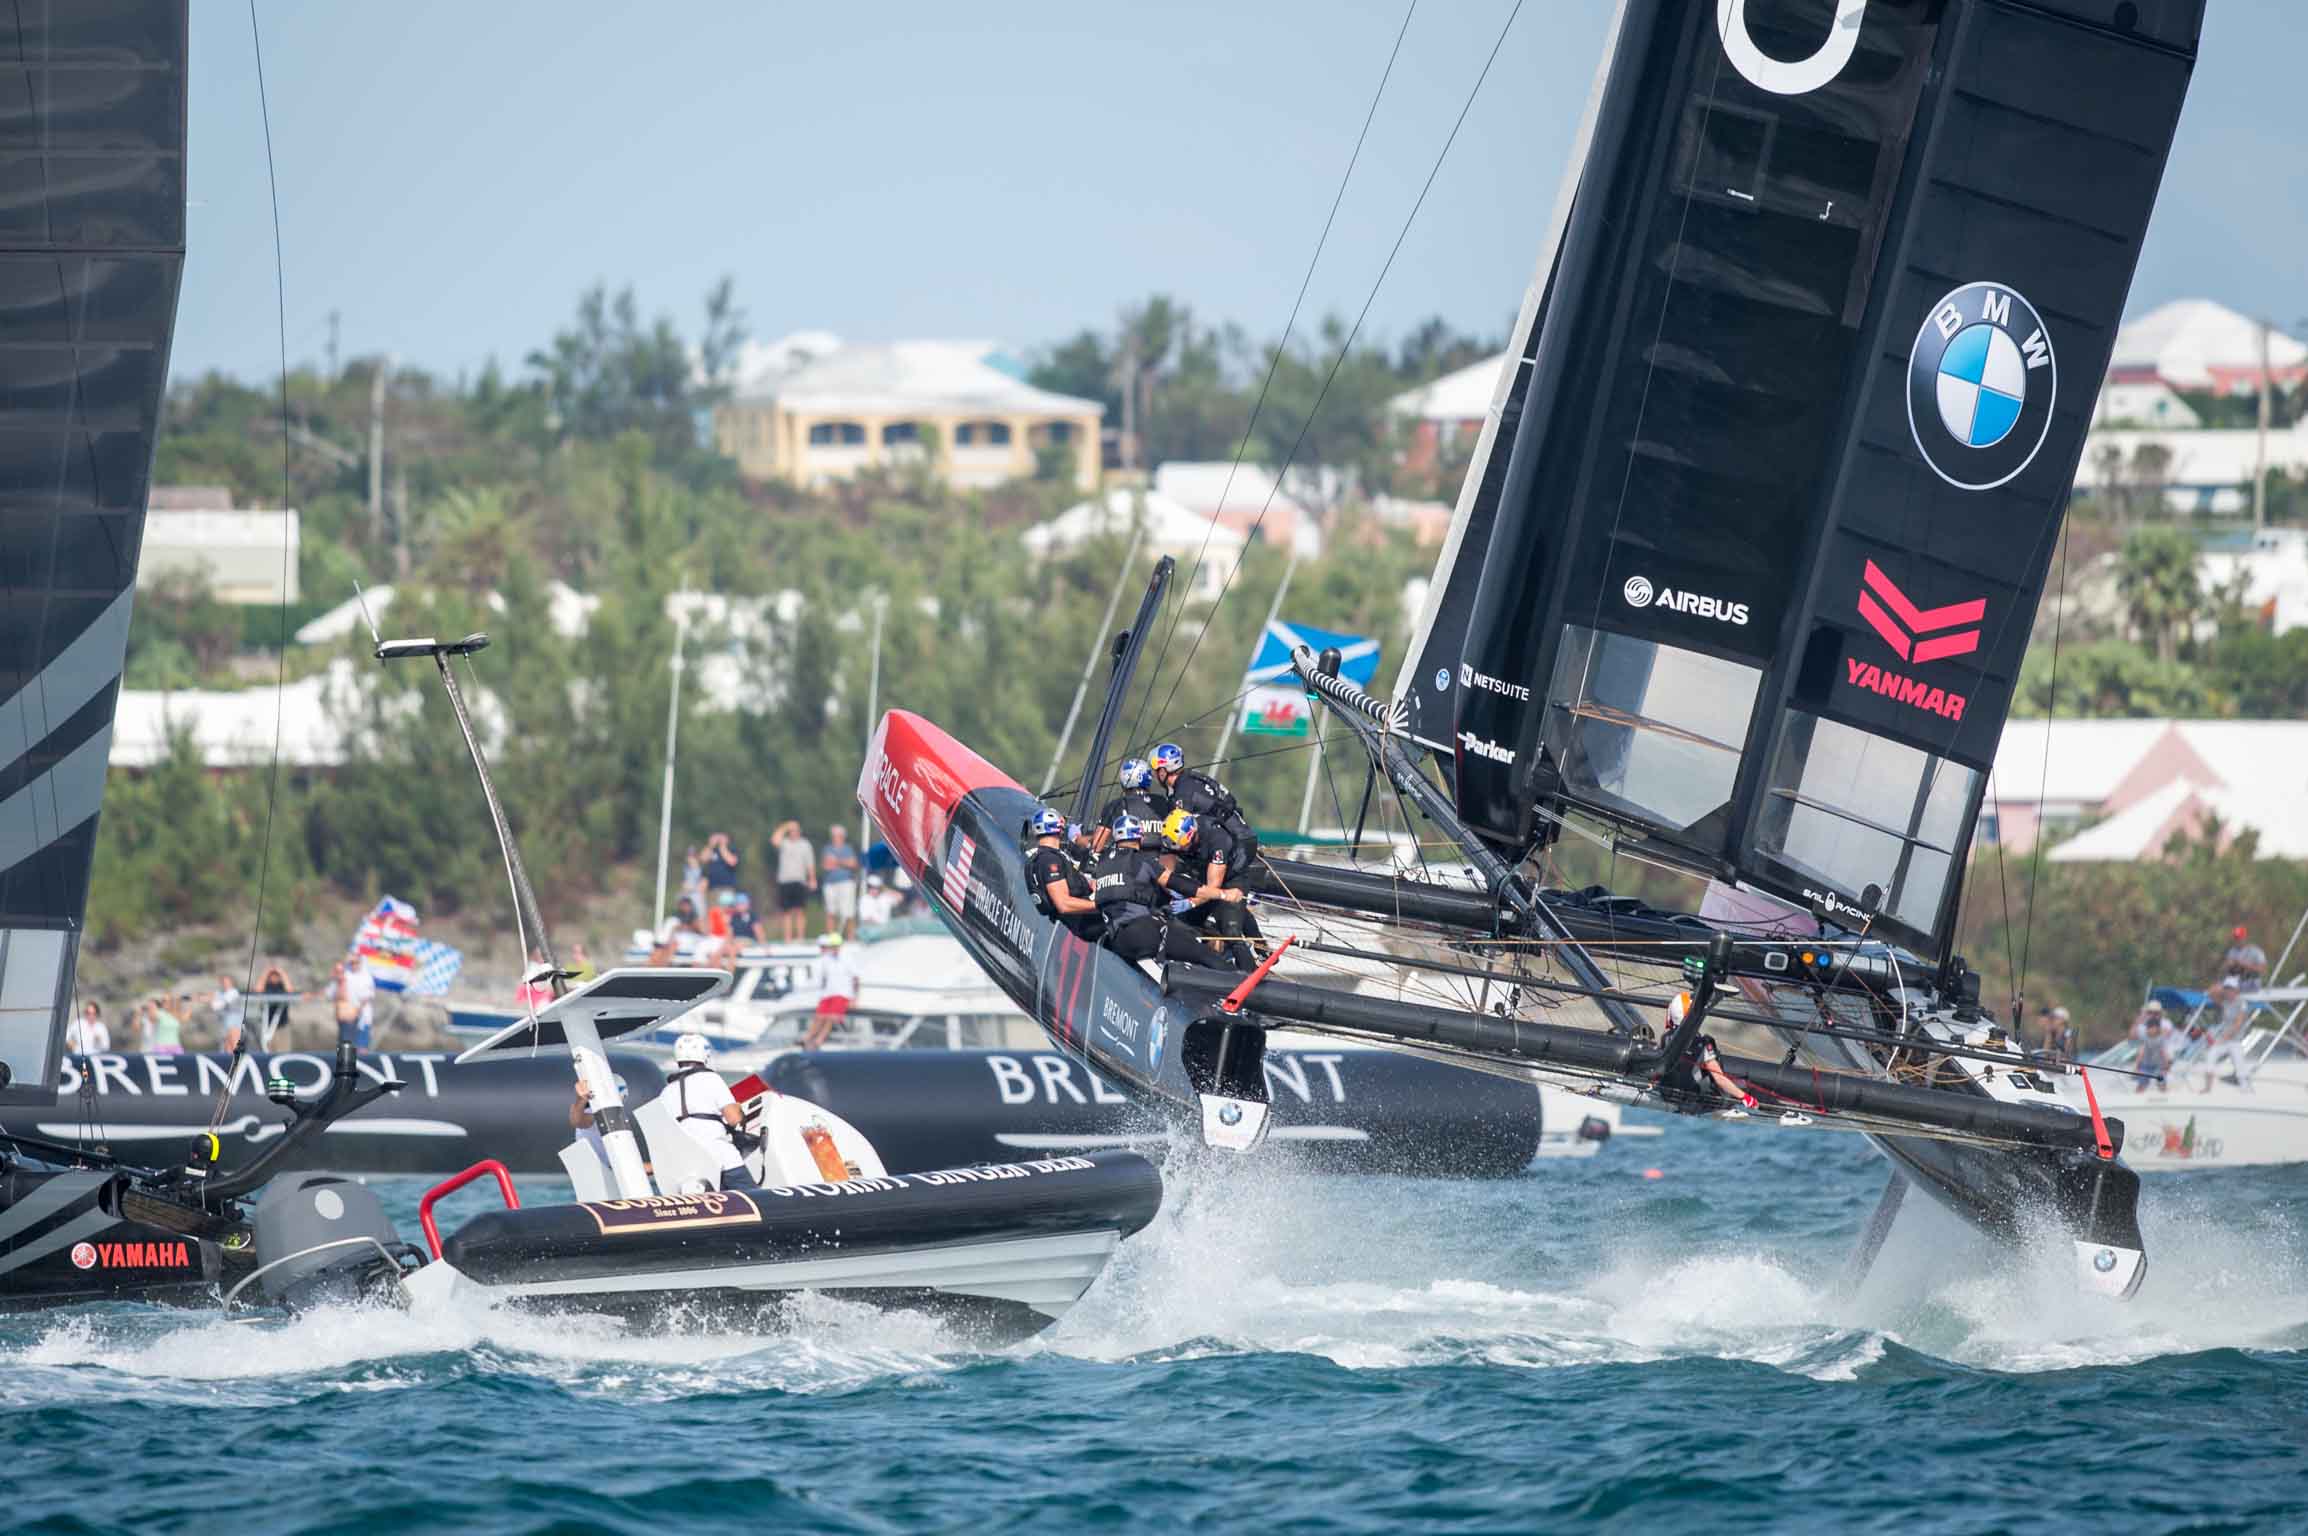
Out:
{"x": 1128, "y": 885}
{"x": 1700, "y": 1073}
{"x": 1139, "y": 798}
{"x": 1215, "y": 804}
{"x": 697, "y": 1099}
{"x": 1200, "y": 857}
{"x": 1061, "y": 888}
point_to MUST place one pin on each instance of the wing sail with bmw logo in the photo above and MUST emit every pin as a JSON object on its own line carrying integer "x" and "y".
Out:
{"x": 1738, "y": 588}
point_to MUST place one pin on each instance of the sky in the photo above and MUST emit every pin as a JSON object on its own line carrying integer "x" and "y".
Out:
{"x": 451, "y": 175}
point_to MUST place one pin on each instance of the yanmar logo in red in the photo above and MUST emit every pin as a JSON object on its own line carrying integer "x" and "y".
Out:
{"x": 1917, "y": 635}
{"x": 1905, "y": 626}
{"x": 132, "y": 1255}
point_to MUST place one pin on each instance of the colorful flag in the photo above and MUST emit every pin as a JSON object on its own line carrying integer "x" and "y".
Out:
{"x": 1273, "y": 700}
{"x": 400, "y": 960}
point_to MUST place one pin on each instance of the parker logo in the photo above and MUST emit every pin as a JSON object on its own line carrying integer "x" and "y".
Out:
{"x": 1470, "y": 678}
{"x": 1482, "y": 748}
{"x": 1916, "y": 633}
{"x": 1639, "y": 593}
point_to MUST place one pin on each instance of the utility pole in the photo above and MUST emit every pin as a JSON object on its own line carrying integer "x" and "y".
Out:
{"x": 2260, "y": 459}
{"x": 384, "y": 367}
{"x": 334, "y": 316}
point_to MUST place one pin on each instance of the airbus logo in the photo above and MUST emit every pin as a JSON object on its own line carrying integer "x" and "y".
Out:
{"x": 1470, "y": 678}
{"x": 1487, "y": 749}
{"x": 1981, "y": 381}
{"x": 1639, "y": 593}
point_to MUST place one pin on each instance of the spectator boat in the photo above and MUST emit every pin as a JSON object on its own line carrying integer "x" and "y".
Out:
{"x": 2200, "y": 1116}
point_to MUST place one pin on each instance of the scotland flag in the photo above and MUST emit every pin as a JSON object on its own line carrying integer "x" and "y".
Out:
{"x": 1273, "y": 700}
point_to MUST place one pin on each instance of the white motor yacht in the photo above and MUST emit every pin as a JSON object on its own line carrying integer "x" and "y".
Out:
{"x": 2201, "y": 1116}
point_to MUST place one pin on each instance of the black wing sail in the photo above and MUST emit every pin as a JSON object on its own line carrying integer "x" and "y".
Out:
{"x": 92, "y": 140}
{"x": 1811, "y": 244}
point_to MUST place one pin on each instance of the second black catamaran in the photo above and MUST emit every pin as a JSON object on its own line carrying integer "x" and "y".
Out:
{"x": 1738, "y": 588}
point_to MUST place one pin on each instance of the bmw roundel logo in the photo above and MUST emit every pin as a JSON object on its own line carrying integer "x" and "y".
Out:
{"x": 2104, "y": 1260}
{"x": 1157, "y": 1033}
{"x": 1981, "y": 379}
{"x": 1442, "y": 679}
{"x": 1637, "y": 591}
{"x": 1230, "y": 1113}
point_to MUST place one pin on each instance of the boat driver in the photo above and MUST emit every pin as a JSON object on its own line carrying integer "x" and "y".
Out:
{"x": 1130, "y": 888}
{"x": 697, "y": 1098}
{"x": 2227, "y": 1035}
{"x": 1061, "y": 888}
{"x": 1700, "y": 1073}
{"x": 1200, "y": 855}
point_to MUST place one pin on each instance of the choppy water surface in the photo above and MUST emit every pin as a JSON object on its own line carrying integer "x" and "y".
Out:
{"x": 1292, "y": 1353}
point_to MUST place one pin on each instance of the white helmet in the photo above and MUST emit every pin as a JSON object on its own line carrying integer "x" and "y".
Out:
{"x": 691, "y": 1049}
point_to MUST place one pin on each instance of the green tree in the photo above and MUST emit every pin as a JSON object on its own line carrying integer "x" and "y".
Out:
{"x": 2157, "y": 577}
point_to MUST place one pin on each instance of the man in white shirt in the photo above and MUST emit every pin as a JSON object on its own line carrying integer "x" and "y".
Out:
{"x": 231, "y": 1009}
{"x": 701, "y": 1103}
{"x": 87, "y": 1035}
{"x": 837, "y": 990}
{"x": 361, "y": 988}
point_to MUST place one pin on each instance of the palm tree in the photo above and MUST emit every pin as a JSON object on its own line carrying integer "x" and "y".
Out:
{"x": 2156, "y": 574}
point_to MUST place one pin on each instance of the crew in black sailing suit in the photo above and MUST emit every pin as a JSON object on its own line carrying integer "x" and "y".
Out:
{"x": 1202, "y": 856}
{"x": 1214, "y": 804}
{"x": 1700, "y": 1075}
{"x": 1139, "y": 798}
{"x": 1061, "y": 888}
{"x": 1128, "y": 884}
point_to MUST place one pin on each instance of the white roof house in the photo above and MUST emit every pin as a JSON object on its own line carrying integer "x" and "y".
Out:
{"x": 1170, "y": 529}
{"x": 960, "y": 407}
{"x": 1455, "y": 397}
{"x": 1246, "y": 496}
{"x": 2146, "y": 403}
{"x": 2198, "y": 344}
{"x": 2138, "y": 782}
{"x": 245, "y": 557}
{"x": 2205, "y": 471}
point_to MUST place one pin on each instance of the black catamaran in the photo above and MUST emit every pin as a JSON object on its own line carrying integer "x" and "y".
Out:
{"x": 1737, "y": 590}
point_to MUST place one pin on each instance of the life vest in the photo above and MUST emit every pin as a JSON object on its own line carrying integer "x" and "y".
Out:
{"x": 1198, "y": 792}
{"x": 1126, "y": 884}
{"x": 679, "y": 1078}
{"x": 1041, "y": 871}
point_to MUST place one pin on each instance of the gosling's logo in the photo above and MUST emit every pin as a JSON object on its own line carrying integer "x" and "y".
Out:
{"x": 1981, "y": 380}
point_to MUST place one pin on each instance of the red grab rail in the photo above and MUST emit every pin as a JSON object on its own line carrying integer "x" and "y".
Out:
{"x": 1232, "y": 1002}
{"x": 457, "y": 1181}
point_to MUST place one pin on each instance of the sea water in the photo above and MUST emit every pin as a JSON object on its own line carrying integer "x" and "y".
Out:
{"x": 1583, "y": 1346}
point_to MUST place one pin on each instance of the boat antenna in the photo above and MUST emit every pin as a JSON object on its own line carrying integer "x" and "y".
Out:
{"x": 527, "y": 916}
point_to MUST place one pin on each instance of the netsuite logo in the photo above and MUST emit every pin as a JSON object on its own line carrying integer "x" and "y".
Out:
{"x": 1470, "y": 678}
{"x": 1639, "y": 593}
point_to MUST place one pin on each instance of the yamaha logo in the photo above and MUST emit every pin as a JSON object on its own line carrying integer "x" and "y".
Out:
{"x": 1981, "y": 379}
{"x": 83, "y": 1255}
{"x": 1637, "y": 591}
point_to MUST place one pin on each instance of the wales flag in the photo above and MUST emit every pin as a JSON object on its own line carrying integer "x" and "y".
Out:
{"x": 1273, "y": 700}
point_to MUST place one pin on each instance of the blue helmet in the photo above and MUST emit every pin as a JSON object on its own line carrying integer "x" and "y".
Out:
{"x": 1136, "y": 773}
{"x": 1128, "y": 829}
{"x": 1049, "y": 823}
{"x": 1168, "y": 758}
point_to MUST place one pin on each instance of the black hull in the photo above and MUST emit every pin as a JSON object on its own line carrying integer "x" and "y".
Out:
{"x": 445, "y": 1118}
{"x": 63, "y": 1242}
{"x": 987, "y": 1245}
{"x": 1349, "y": 1111}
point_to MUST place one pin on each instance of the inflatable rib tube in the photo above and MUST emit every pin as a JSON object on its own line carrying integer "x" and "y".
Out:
{"x": 999, "y": 1249}
{"x": 445, "y": 1117}
{"x": 1336, "y": 1110}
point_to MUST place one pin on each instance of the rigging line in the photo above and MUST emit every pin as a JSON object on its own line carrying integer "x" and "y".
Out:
{"x": 280, "y": 673}
{"x": 2036, "y": 854}
{"x": 1274, "y": 363}
{"x": 1344, "y": 348}
{"x": 2002, "y": 885}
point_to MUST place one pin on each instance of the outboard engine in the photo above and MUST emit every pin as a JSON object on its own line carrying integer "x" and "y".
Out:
{"x": 324, "y": 1240}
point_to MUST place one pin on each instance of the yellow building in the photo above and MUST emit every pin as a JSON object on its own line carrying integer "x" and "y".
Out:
{"x": 906, "y": 402}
